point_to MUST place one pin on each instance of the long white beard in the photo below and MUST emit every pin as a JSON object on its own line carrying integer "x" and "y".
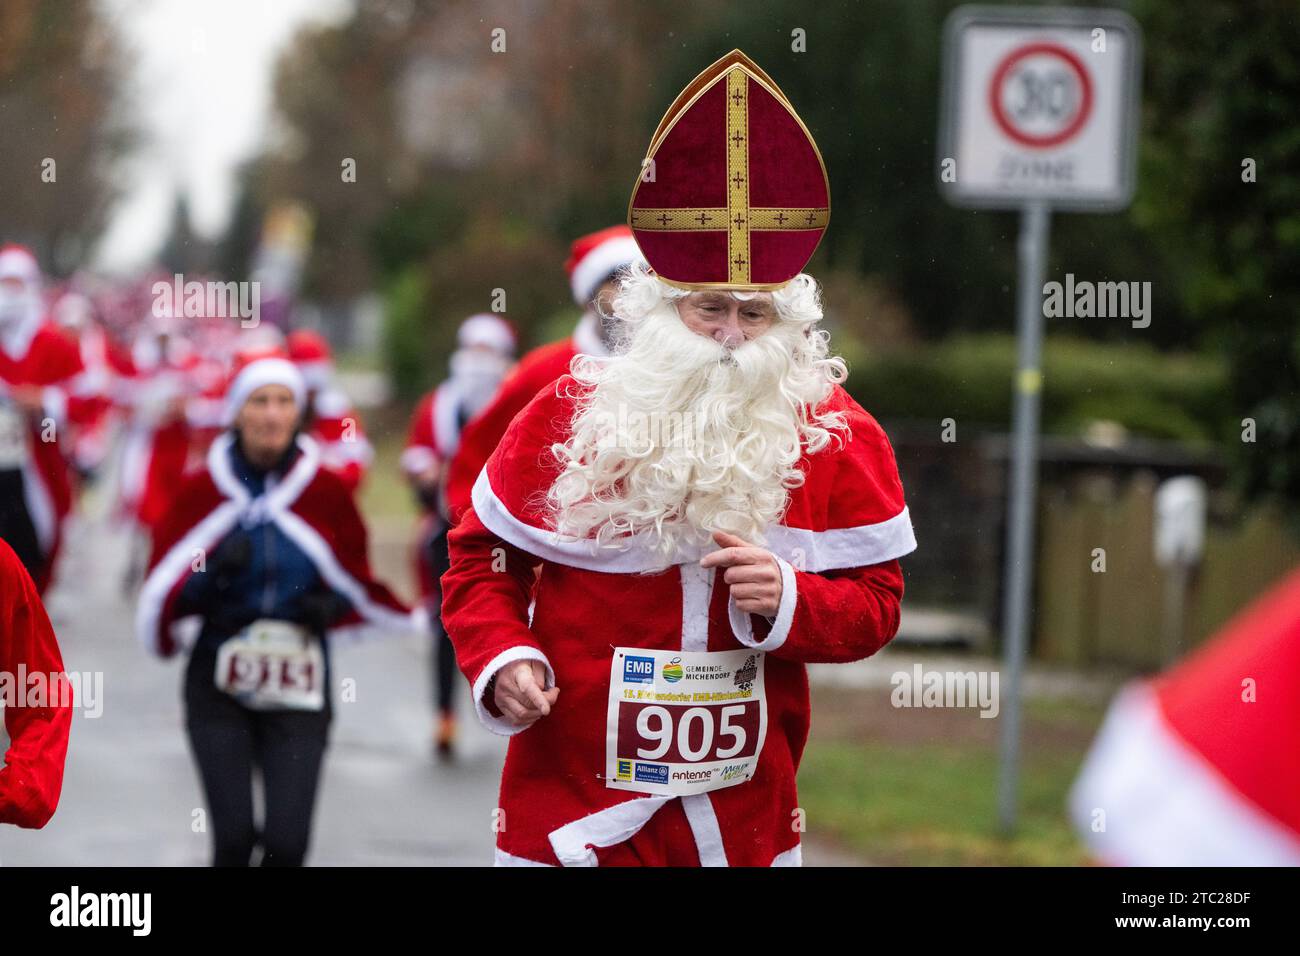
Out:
{"x": 477, "y": 376}
{"x": 680, "y": 436}
{"x": 17, "y": 308}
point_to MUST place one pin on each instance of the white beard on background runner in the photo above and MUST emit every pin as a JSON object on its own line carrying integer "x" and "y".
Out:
{"x": 478, "y": 375}
{"x": 681, "y": 436}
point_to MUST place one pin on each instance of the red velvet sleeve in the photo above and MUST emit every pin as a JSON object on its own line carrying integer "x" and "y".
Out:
{"x": 484, "y": 432}
{"x": 485, "y": 595}
{"x": 842, "y": 616}
{"x": 32, "y": 777}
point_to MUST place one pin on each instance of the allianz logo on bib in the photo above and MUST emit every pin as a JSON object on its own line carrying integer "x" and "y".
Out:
{"x": 651, "y": 773}
{"x": 638, "y": 670}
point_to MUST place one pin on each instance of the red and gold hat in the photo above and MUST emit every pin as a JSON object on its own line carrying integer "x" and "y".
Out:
{"x": 737, "y": 196}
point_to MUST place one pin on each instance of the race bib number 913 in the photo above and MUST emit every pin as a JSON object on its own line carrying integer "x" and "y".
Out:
{"x": 273, "y": 665}
{"x": 683, "y": 722}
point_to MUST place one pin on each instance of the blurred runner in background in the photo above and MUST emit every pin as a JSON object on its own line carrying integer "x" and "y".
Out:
{"x": 331, "y": 418}
{"x": 156, "y": 445}
{"x": 92, "y": 410}
{"x": 485, "y": 349}
{"x": 266, "y": 548}
{"x": 594, "y": 263}
{"x": 37, "y": 365}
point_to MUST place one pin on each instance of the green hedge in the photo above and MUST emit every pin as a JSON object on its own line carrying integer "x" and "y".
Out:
{"x": 968, "y": 378}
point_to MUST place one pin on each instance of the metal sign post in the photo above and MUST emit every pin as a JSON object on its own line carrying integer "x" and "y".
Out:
{"x": 1039, "y": 113}
{"x": 1022, "y": 496}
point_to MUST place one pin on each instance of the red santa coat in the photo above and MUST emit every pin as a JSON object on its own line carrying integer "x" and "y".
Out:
{"x": 32, "y": 776}
{"x": 539, "y": 367}
{"x": 336, "y": 426}
{"x": 434, "y": 437}
{"x": 310, "y": 505}
{"x": 43, "y": 356}
{"x": 92, "y": 394}
{"x": 846, "y": 527}
{"x": 1201, "y": 766}
{"x": 156, "y": 447}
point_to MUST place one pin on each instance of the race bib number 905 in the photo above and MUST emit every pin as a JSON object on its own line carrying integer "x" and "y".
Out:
{"x": 684, "y": 722}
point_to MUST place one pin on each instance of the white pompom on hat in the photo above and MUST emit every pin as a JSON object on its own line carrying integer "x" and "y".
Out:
{"x": 265, "y": 370}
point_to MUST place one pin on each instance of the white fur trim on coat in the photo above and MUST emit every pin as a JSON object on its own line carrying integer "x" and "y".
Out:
{"x": 812, "y": 550}
{"x": 607, "y": 827}
{"x": 743, "y": 628}
{"x": 705, "y": 829}
{"x": 502, "y": 725}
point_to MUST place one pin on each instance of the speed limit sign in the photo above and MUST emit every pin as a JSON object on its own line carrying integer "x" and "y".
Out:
{"x": 1039, "y": 104}
{"x": 1039, "y": 113}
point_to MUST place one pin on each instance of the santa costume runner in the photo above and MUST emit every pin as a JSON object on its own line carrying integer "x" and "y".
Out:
{"x": 677, "y": 719}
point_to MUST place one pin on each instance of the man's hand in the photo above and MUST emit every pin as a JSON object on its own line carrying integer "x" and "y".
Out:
{"x": 752, "y": 573}
{"x": 519, "y": 693}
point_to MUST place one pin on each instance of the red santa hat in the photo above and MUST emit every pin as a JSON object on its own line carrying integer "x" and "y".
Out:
{"x": 18, "y": 262}
{"x": 259, "y": 369}
{"x": 739, "y": 198}
{"x": 1201, "y": 767}
{"x": 488, "y": 330}
{"x": 311, "y": 353}
{"x": 596, "y": 257}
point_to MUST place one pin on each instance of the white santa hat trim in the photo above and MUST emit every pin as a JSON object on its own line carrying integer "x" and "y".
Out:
{"x": 600, "y": 263}
{"x": 1164, "y": 803}
{"x": 317, "y": 374}
{"x": 18, "y": 263}
{"x": 260, "y": 372}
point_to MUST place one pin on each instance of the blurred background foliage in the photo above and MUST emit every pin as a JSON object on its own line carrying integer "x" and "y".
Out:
{"x": 477, "y": 164}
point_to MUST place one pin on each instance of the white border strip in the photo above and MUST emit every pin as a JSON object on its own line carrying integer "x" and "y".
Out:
{"x": 845, "y": 547}
{"x": 520, "y": 652}
{"x": 603, "y": 828}
{"x": 704, "y": 827}
{"x": 168, "y": 572}
{"x": 808, "y": 550}
{"x": 743, "y": 628}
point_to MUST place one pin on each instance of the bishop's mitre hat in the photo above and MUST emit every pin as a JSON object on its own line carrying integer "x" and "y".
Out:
{"x": 733, "y": 192}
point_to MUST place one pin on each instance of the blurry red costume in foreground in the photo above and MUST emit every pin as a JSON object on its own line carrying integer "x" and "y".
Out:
{"x": 1201, "y": 766}
{"x": 32, "y": 776}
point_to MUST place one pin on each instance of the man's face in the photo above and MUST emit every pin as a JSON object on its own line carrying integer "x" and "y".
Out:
{"x": 603, "y": 303}
{"x": 13, "y": 294}
{"x": 724, "y": 318}
{"x": 267, "y": 421}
